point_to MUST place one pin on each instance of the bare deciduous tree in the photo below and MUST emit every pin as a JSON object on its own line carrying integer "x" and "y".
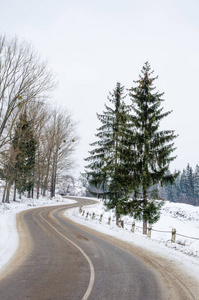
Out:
{"x": 25, "y": 82}
{"x": 23, "y": 77}
{"x": 61, "y": 140}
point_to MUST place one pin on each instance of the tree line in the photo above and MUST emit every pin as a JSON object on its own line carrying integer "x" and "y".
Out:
{"x": 131, "y": 154}
{"x": 36, "y": 140}
{"x": 185, "y": 188}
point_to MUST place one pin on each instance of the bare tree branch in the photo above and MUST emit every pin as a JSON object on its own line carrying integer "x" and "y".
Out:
{"x": 23, "y": 77}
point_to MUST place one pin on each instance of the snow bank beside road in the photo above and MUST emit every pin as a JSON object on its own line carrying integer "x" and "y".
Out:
{"x": 184, "y": 218}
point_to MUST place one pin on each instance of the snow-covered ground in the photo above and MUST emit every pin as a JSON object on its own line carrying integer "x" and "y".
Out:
{"x": 184, "y": 218}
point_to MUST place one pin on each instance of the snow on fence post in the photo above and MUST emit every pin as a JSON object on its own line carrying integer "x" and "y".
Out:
{"x": 149, "y": 230}
{"x": 101, "y": 216}
{"x": 80, "y": 209}
{"x": 93, "y": 216}
{"x": 109, "y": 220}
{"x": 87, "y": 214}
{"x": 133, "y": 227}
{"x": 173, "y": 235}
{"x": 119, "y": 222}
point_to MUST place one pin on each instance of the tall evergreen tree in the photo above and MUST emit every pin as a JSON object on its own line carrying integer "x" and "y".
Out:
{"x": 183, "y": 183}
{"x": 189, "y": 181}
{"x": 153, "y": 146}
{"x": 107, "y": 161}
{"x": 24, "y": 145}
{"x": 196, "y": 182}
{"x": 185, "y": 189}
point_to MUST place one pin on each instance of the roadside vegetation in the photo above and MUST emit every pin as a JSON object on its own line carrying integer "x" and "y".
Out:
{"x": 36, "y": 140}
{"x": 128, "y": 165}
{"x": 132, "y": 153}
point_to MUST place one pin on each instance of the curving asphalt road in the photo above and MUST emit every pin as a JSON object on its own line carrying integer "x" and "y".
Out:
{"x": 58, "y": 259}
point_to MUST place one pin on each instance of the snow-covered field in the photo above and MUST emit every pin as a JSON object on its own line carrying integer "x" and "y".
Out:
{"x": 184, "y": 218}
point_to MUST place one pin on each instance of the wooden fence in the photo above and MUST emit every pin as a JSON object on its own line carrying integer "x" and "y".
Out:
{"x": 121, "y": 224}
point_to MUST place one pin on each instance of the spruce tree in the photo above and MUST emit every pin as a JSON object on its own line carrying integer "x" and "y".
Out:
{"x": 196, "y": 182}
{"x": 107, "y": 161}
{"x": 189, "y": 181}
{"x": 183, "y": 184}
{"x": 153, "y": 146}
{"x": 24, "y": 145}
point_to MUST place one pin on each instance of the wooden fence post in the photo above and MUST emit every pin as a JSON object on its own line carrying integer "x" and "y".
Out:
{"x": 80, "y": 209}
{"x": 87, "y": 214}
{"x": 109, "y": 220}
{"x": 149, "y": 230}
{"x": 101, "y": 216}
{"x": 133, "y": 227}
{"x": 122, "y": 223}
{"x": 93, "y": 216}
{"x": 83, "y": 212}
{"x": 173, "y": 235}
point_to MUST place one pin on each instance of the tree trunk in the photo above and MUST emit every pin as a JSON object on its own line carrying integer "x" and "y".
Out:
{"x": 45, "y": 185}
{"x": 15, "y": 190}
{"x": 47, "y": 174}
{"x": 54, "y": 174}
{"x": 37, "y": 192}
{"x": 144, "y": 205}
{"x": 7, "y": 200}
{"x": 52, "y": 189}
{"x": 4, "y": 192}
{"x": 41, "y": 185}
{"x": 117, "y": 217}
{"x": 38, "y": 184}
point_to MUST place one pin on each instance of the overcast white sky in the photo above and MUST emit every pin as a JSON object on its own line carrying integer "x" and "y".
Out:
{"x": 91, "y": 45}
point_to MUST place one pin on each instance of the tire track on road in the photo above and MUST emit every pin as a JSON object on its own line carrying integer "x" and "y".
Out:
{"x": 92, "y": 271}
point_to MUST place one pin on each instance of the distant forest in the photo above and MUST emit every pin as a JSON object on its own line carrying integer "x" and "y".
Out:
{"x": 185, "y": 189}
